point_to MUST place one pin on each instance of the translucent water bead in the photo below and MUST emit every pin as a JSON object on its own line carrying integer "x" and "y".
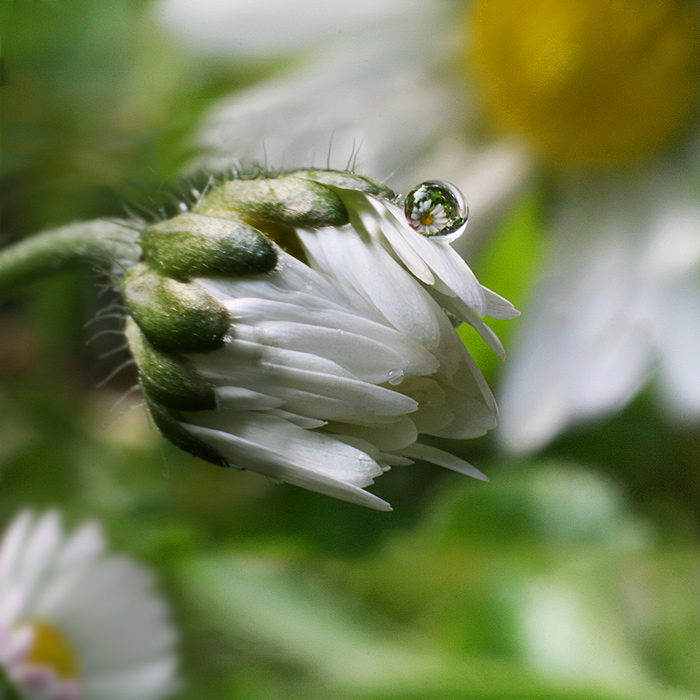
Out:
{"x": 436, "y": 209}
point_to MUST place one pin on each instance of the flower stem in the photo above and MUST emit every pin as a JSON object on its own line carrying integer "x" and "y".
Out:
{"x": 108, "y": 246}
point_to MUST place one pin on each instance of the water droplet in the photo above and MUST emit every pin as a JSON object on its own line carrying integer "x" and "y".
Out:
{"x": 436, "y": 208}
{"x": 395, "y": 376}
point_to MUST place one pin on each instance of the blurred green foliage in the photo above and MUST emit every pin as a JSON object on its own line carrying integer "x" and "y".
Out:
{"x": 575, "y": 575}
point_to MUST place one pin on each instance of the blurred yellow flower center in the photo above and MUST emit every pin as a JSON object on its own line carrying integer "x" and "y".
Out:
{"x": 587, "y": 82}
{"x": 50, "y": 649}
{"x": 426, "y": 219}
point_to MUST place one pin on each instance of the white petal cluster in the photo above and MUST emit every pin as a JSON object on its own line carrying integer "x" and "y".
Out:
{"x": 103, "y": 607}
{"x": 332, "y": 370}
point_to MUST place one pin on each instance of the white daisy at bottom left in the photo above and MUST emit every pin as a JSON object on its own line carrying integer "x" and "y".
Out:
{"x": 77, "y": 623}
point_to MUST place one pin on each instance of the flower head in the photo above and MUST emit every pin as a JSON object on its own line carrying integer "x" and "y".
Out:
{"x": 299, "y": 327}
{"x": 77, "y": 623}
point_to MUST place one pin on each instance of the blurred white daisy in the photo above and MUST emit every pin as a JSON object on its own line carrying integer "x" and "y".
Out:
{"x": 599, "y": 94}
{"x": 77, "y": 623}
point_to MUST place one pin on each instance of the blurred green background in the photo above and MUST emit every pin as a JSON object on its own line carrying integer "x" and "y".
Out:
{"x": 574, "y": 574}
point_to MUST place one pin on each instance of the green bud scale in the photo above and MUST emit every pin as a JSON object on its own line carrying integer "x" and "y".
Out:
{"x": 174, "y": 316}
{"x": 194, "y": 245}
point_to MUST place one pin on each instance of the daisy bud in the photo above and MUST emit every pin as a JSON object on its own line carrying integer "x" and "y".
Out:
{"x": 302, "y": 326}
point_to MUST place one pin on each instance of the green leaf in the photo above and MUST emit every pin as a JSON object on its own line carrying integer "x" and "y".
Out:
{"x": 270, "y": 606}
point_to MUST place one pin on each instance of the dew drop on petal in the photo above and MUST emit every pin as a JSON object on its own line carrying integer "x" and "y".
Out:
{"x": 395, "y": 376}
{"x": 436, "y": 209}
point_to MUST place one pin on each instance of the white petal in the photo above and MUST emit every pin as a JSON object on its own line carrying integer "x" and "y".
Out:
{"x": 678, "y": 336}
{"x": 498, "y": 307}
{"x": 465, "y": 313}
{"x": 432, "y": 414}
{"x": 588, "y": 342}
{"x": 84, "y": 545}
{"x": 114, "y": 576}
{"x": 291, "y": 281}
{"x": 387, "y": 437}
{"x": 442, "y": 459}
{"x": 301, "y": 421}
{"x": 473, "y": 412}
{"x": 12, "y": 603}
{"x": 131, "y": 646}
{"x": 383, "y": 228}
{"x": 151, "y": 681}
{"x": 308, "y": 385}
{"x": 413, "y": 358}
{"x": 12, "y": 547}
{"x": 39, "y": 551}
{"x": 365, "y": 358}
{"x": 283, "y": 451}
{"x": 264, "y": 27}
{"x": 245, "y": 399}
{"x": 388, "y": 106}
{"x": 18, "y": 644}
{"x": 316, "y": 449}
{"x": 442, "y": 260}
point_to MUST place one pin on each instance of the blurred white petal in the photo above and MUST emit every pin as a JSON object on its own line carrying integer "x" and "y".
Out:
{"x": 679, "y": 346}
{"x": 620, "y": 293}
{"x": 371, "y": 102}
{"x": 261, "y": 28}
{"x": 102, "y": 608}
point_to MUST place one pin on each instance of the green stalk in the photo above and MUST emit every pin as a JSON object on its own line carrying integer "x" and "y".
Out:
{"x": 107, "y": 246}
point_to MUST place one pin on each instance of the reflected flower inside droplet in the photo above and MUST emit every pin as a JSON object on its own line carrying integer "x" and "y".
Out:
{"x": 436, "y": 208}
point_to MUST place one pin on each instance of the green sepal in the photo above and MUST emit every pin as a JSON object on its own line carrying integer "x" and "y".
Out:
{"x": 174, "y": 316}
{"x": 168, "y": 379}
{"x": 291, "y": 200}
{"x": 348, "y": 181}
{"x": 173, "y": 430}
{"x": 193, "y": 245}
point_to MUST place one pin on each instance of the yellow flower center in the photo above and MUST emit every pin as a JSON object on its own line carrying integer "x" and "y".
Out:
{"x": 426, "y": 219}
{"x": 587, "y": 82}
{"x": 50, "y": 649}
